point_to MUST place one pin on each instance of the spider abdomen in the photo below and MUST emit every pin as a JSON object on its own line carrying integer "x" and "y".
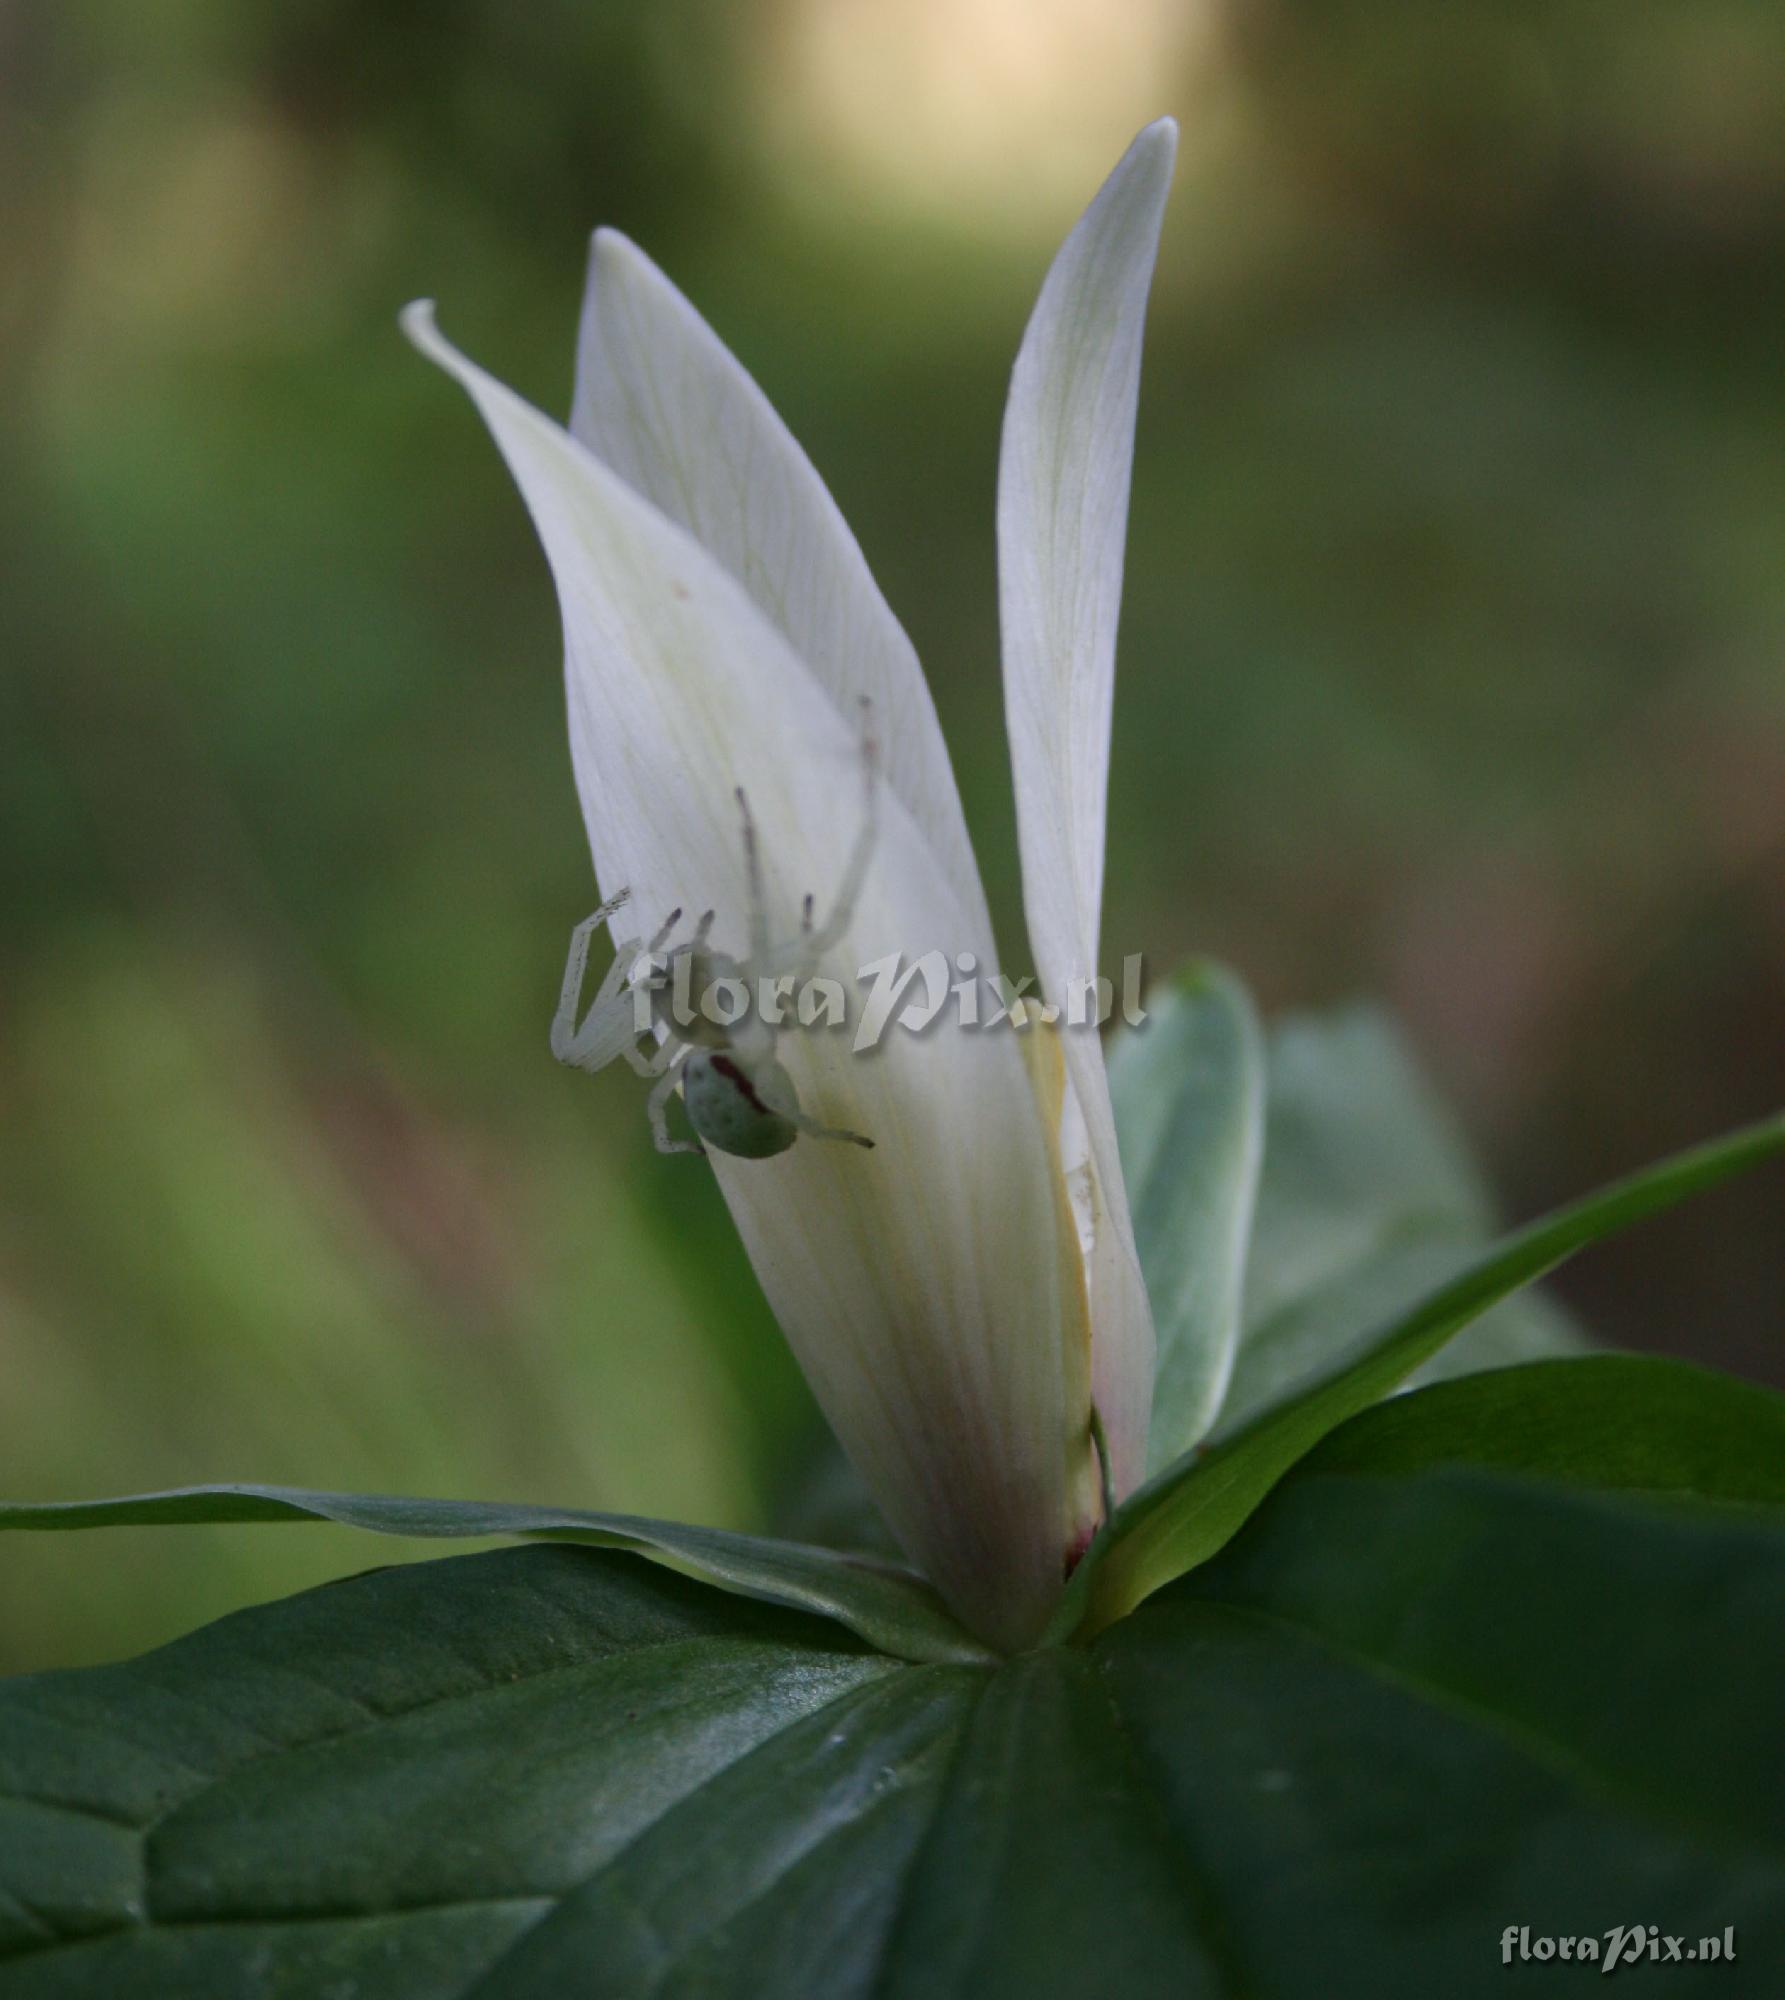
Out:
{"x": 739, "y": 1109}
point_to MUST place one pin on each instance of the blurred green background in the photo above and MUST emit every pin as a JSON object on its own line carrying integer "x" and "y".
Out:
{"x": 1451, "y": 667}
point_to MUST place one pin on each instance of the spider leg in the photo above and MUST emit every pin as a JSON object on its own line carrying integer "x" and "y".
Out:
{"x": 813, "y": 1130}
{"x": 648, "y": 1057}
{"x": 577, "y": 961}
{"x": 635, "y": 1044}
{"x": 592, "y": 1045}
{"x": 645, "y": 1057}
{"x": 657, "y": 1110}
{"x": 759, "y": 909}
{"x": 644, "y": 1052}
{"x": 696, "y": 943}
{"x": 836, "y": 926}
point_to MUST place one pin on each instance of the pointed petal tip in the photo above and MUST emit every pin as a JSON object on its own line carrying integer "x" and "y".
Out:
{"x": 614, "y": 249}
{"x": 1155, "y": 145}
{"x": 423, "y": 333}
{"x": 607, "y": 241}
{"x": 417, "y": 321}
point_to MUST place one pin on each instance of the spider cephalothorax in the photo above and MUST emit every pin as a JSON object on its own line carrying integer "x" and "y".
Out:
{"x": 739, "y": 1097}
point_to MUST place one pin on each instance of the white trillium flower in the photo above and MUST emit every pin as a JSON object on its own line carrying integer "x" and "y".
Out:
{"x": 963, "y": 1296}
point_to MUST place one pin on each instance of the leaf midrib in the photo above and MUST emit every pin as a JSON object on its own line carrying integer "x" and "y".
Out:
{"x": 758, "y": 1749}
{"x": 1216, "y": 1932}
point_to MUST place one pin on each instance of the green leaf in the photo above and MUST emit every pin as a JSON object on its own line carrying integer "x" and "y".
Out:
{"x": 1630, "y": 1423}
{"x": 382, "y": 1786}
{"x": 1188, "y": 1091}
{"x": 1369, "y": 1200}
{"x": 880, "y": 1602}
{"x": 1396, "y": 1716}
{"x": 1393, "y": 1716}
{"x": 1184, "y": 1515}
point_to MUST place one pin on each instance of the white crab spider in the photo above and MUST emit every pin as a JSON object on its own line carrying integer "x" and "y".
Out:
{"x": 739, "y": 1098}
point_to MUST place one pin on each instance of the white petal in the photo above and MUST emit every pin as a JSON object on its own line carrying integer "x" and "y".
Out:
{"x": 662, "y": 400}
{"x": 920, "y": 1283}
{"x": 1062, "y": 520}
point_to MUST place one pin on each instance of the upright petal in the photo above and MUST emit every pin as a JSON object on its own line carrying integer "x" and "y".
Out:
{"x": 661, "y": 399}
{"x": 1062, "y": 520}
{"x": 919, "y": 1283}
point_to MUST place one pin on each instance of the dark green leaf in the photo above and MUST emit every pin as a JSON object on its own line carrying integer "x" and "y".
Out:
{"x": 1394, "y": 1716}
{"x": 882, "y": 1603}
{"x": 1049, "y": 1868}
{"x": 1188, "y": 1090}
{"x": 1184, "y": 1515}
{"x": 781, "y": 1874}
{"x": 1631, "y": 1423}
{"x": 380, "y": 1786}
